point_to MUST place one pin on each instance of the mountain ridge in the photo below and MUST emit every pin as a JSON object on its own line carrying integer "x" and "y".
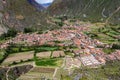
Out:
{"x": 47, "y": 4}
{"x": 20, "y": 14}
{"x": 88, "y": 10}
{"x": 36, "y": 5}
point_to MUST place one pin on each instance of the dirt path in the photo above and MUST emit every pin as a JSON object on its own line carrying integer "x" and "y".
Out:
{"x": 64, "y": 62}
{"x": 56, "y": 69}
{"x": 7, "y": 75}
{"x": 112, "y": 14}
{"x": 55, "y": 73}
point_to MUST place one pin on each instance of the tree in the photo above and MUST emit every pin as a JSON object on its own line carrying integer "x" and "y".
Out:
{"x": 28, "y": 30}
{"x": 14, "y": 63}
{"x": 10, "y": 33}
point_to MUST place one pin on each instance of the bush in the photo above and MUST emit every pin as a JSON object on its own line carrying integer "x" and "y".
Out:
{"x": 11, "y": 33}
{"x": 116, "y": 46}
{"x": 14, "y": 63}
{"x": 60, "y": 23}
{"x": 108, "y": 50}
{"x": 13, "y": 48}
{"x": 29, "y": 30}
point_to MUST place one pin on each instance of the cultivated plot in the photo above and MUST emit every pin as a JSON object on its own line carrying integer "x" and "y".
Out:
{"x": 17, "y": 57}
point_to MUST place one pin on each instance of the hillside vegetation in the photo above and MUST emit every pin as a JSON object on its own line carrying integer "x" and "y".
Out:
{"x": 21, "y": 14}
{"x": 93, "y": 10}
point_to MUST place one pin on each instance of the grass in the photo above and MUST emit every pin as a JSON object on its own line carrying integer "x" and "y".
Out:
{"x": 18, "y": 48}
{"x": 1, "y": 54}
{"x": 105, "y": 38}
{"x": 52, "y": 62}
{"x": 106, "y": 34}
{"x": 108, "y": 50}
{"x": 65, "y": 78}
{"x": 61, "y": 74}
{"x": 46, "y": 48}
{"x": 2, "y": 41}
{"x": 69, "y": 53}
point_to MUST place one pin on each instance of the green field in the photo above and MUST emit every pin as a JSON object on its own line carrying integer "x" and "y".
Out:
{"x": 106, "y": 34}
{"x": 69, "y": 53}
{"x": 52, "y": 62}
{"x": 16, "y": 48}
{"x": 47, "y": 48}
{"x": 1, "y": 55}
{"x": 108, "y": 50}
{"x": 41, "y": 49}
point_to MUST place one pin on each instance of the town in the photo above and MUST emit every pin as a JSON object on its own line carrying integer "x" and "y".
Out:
{"x": 87, "y": 49}
{"x": 80, "y": 49}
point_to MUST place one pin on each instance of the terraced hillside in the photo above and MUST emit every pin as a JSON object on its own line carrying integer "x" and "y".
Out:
{"x": 93, "y": 10}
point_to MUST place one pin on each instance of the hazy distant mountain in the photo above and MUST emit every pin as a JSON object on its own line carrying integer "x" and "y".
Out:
{"x": 46, "y": 5}
{"x": 36, "y": 5}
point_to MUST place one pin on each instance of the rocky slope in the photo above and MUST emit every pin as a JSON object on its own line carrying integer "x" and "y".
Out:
{"x": 14, "y": 72}
{"x": 20, "y": 14}
{"x": 93, "y": 10}
{"x": 3, "y": 28}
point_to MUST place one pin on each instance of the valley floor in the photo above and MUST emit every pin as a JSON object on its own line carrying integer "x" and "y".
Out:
{"x": 58, "y": 53}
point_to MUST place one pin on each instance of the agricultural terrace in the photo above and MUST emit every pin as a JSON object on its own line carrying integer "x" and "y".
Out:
{"x": 46, "y": 48}
{"x": 49, "y": 62}
{"x": 109, "y": 71}
{"x": 106, "y": 34}
{"x": 43, "y": 70}
{"x": 60, "y": 73}
{"x": 56, "y": 54}
{"x": 2, "y": 53}
{"x": 49, "y": 54}
{"x": 43, "y": 54}
{"x": 17, "y": 57}
{"x": 38, "y": 73}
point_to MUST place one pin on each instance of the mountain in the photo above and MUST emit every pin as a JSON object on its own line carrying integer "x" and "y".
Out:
{"x": 3, "y": 28}
{"x": 88, "y": 10}
{"x": 36, "y": 5}
{"x": 20, "y": 14}
{"x": 46, "y": 5}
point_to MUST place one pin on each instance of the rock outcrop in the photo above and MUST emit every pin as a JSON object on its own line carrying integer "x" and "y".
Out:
{"x": 14, "y": 72}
